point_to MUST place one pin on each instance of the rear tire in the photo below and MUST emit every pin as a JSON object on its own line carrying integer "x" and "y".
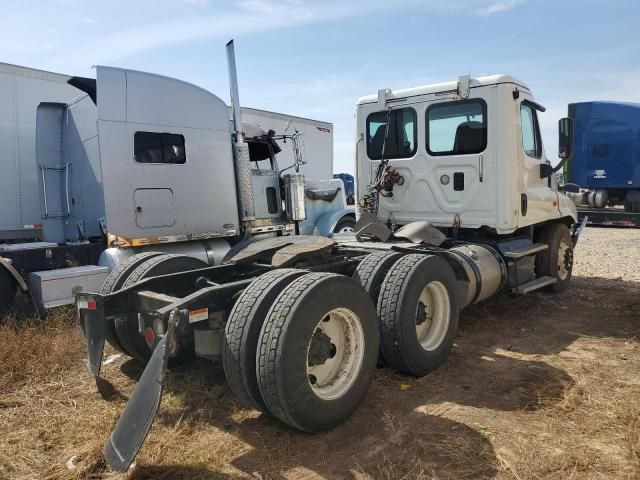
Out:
{"x": 317, "y": 351}
{"x": 371, "y": 271}
{"x": 7, "y": 289}
{"x": 126, "y": 327}
{"x": 557, "y": 260}
{"x": 113, "y": 283}
{"x": 242, "y": 332}
{"x": 419, "y": 312}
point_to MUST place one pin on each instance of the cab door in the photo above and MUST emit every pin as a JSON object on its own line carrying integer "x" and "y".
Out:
{"x": 537, "y": 201}
{"x": 166, "y": 159}
{"x": 443, "y": 149}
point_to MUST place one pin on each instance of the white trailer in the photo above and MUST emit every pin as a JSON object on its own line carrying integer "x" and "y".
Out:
{"x": 21, "y": 91}
{"x": 317, "y": 138}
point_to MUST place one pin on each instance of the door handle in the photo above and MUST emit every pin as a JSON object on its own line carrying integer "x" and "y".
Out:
{"x": 481, "y": 167}
{"x": 66, "y": 186}
{"x": 44, "y": 193}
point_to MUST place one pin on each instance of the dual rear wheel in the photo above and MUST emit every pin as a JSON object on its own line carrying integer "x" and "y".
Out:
{"x": 122, "y": 333}
{"x": 417, "y": 307}
{"x": 419, "y": 313}
{"x": 302, "y": 347}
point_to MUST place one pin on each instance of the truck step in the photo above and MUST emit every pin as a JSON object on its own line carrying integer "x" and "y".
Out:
{"x": 526, "y": 251}
{"x": 535, "y": 284}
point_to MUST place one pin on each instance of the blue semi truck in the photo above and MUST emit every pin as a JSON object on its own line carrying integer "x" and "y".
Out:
{"x": 604, "y": 170}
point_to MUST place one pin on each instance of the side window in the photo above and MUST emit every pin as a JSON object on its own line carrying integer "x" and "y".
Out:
{"x": 457, "y": 128}
{"x": 401, "y": 139}
{"x": 530, "y": 132}
{"x": 152, "y": 147}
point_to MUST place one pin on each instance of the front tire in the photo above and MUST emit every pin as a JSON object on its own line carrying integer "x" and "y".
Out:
{"x": 419, "y": 313}
{"x": 557, "y": 260}
{"x": 317, "y": 351}
{"x": 345, "y": 225}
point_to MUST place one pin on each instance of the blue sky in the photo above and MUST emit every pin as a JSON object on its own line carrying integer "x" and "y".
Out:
{"x": 315, "y": 58}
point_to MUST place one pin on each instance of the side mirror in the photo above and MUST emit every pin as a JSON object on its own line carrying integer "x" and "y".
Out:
{"x": 545, "y": 170}
{"x": 565, "y": 138}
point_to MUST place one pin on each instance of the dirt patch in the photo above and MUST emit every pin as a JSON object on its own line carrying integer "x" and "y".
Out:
{"x": 540, "y": 386}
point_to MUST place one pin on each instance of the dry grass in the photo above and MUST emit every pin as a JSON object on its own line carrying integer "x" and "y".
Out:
{"x": 536, "y": 387}
{"x": 34, "y": 350}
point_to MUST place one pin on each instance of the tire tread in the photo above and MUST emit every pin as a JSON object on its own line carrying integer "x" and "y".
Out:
{"x": 390, "y": 296}
{"x": 122, "y": 323}
{"x": 271, "y": 335}
{"x": 375, "y": 265}
{"x": 114, "y": 282}
{"x": 237, "y": 328}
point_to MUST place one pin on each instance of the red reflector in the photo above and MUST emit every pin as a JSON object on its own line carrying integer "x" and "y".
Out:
{"x": 91, "y": 305}
{"x": 149, "y": 336}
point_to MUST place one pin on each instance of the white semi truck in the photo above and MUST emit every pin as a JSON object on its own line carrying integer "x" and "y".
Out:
{"x": 67, "y": 217}
{"x": 458, "y": 203}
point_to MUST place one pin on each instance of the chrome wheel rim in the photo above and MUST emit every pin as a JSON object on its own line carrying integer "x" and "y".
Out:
{"x": 335, "y": 354}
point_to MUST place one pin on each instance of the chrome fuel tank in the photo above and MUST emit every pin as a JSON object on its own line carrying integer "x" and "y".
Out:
{"x": 486, "y": 271}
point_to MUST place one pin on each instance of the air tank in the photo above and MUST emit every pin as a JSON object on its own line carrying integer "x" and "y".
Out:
{"x": 294, "y": 196}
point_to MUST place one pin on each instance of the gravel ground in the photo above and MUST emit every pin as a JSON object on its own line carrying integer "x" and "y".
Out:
{"x": 609, "y": 253}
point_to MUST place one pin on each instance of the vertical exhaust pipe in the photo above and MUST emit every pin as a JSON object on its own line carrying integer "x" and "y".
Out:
{"x": 233, "y": 87}
{"x": 240, "y": 148}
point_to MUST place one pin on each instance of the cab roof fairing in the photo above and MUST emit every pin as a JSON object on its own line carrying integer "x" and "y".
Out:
{"x": 148, "y": 98}
{"x": 445, "y": 87}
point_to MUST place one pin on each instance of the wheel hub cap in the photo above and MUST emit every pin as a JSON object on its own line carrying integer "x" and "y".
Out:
{"x": 321, "y": 348}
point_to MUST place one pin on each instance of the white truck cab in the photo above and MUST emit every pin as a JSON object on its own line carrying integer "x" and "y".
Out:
{"x": 467, "y": 153}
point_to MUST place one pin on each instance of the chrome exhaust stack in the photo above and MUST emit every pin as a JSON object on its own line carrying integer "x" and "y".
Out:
{"x": 241, "y": 157}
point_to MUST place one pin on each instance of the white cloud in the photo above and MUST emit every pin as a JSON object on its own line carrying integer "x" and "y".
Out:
{"x": 87, "y": 20}
{"x": 151, "y": 24}
{"x": 499, "y": 7}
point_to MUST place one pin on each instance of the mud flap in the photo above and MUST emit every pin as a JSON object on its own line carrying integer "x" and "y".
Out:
{"x": 576, "y": 233}
{"x": 138, "y": 416}
{"x": 91, "y": 313}
{"x": 369, "y": 224}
